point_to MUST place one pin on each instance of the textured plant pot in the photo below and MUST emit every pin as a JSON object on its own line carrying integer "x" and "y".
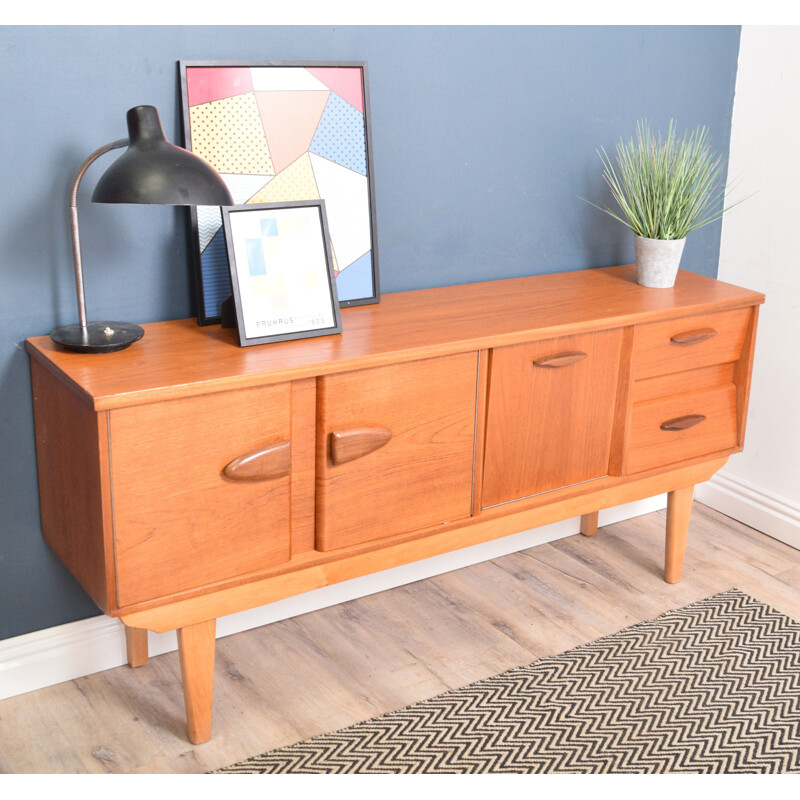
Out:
{"x": 657, "y": 261}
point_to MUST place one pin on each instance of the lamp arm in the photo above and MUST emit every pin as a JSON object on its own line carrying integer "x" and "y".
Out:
{"x": 73, "y": 216}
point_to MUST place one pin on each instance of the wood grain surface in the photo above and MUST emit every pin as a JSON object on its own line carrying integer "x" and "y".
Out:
{"x": 549, "y": 426}
{"x": 656, "y": 352}
{"x": 196, "y": 651}
{"x": 421, "y": 474}
{"x": 314, "y": 570}
{"x": 74, "y": 496}
{"x": 651, "y": 444}
{"x": 179, "y": 521}
{"x": 219, "y": 478}
{"x": 316, "y": 673}
{"x": 181, "y": 359}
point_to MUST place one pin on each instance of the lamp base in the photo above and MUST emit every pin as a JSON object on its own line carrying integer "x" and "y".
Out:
{"x": 97, "y": 337}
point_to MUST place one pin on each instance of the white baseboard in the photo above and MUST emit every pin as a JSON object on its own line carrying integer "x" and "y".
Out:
{"x": 54, "y": 655}
{"x": 765, "y": 511}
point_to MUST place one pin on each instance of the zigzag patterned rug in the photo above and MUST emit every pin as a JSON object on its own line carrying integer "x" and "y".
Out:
{"x": 710, "y": 688}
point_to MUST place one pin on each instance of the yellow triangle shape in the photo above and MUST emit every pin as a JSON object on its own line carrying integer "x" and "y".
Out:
{"x": 243, "y": 152}
{"x": 296, "y": 182}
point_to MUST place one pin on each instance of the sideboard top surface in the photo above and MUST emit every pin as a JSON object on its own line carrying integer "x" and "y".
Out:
{"x": 178, "y": 358}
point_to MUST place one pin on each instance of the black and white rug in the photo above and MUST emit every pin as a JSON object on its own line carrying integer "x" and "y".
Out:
{"x": 710, "y": 688}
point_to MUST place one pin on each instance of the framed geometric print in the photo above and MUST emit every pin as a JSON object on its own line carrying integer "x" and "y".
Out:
{"x": 283, "y": 132}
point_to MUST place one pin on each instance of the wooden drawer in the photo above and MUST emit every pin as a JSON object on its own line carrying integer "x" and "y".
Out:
{"x": 550, "y": 414}
{"x": 689, "y": 343}
{"x": 395, "y": 449}
{"x": 680, "y": 427}
{"x": 179, "y": 522}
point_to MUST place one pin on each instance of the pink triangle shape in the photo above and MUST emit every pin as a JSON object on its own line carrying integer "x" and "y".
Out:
{"x": 345, "y": 81}
{"x": 290, "y": 120}
{"x": 204, "y": 84}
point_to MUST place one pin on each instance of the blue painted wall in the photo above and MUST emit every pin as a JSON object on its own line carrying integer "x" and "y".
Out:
{"x": 484, "y": 138}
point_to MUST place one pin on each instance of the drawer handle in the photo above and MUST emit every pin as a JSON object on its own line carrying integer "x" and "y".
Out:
{"x": 266, "y": 464}
{"x": 560, "y": 359}
{"x": 693, "y": 337}
{"x": 682, "y": 423}
{"x": 349, "y": 445}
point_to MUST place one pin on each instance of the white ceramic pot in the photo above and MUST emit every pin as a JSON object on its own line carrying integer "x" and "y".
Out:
{"x": 657, "y": 261}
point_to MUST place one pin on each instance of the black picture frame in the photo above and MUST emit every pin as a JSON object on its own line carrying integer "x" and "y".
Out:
{"x": 347, "y": 188}
{"x": 281, "y": 271}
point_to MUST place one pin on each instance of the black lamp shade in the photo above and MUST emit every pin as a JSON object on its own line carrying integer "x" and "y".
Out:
{"x": 154, "y": 171}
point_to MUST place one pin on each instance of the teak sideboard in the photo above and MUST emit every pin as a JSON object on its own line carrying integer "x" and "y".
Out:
{"x": 187, "y": 478}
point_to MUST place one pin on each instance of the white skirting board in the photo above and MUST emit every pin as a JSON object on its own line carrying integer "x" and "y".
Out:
{"x": 765, "y": 511}
{"x": 54, "y": 655}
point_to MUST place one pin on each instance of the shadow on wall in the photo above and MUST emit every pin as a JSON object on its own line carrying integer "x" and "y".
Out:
{"x": 25, "y": 559}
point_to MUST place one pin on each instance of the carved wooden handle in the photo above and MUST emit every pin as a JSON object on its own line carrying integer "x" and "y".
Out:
{"x": 693, "y": 337}
{"x": 560, "y": 359}
{"x": 682, "y": 423}
{"x": 349, "y": 445}
{"x": 266, "y": 464}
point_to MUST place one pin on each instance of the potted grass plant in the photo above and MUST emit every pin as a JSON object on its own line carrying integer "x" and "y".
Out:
{"x": 665, "y": 187}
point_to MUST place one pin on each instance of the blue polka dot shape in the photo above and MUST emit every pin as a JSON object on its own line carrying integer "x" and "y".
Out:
{"x": 340, "y": 135}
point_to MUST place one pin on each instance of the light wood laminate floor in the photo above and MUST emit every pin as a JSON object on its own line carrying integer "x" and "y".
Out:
{"x": 311, "y": 674}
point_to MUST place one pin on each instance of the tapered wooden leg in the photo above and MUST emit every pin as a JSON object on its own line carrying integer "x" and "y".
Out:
{"x": 196, "y": 650}
{"x": 589, "y": 523}
{"x": 136, "y": 643}
{"x": 679, "y": 509}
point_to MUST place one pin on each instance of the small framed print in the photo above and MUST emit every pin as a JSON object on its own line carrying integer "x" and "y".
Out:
{"x": 282, "y": 271}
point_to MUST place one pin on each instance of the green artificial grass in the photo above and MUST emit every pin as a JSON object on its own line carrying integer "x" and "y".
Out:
{"x": 665, "y": 187}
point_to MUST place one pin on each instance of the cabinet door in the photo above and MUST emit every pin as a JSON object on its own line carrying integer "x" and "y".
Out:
{"x": 200, "y": 490}
{"x": 395, "y": 449}
{"x": 550, "y": 414}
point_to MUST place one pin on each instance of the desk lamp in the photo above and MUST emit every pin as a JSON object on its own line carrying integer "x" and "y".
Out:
{"x": 151, "y": 171}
